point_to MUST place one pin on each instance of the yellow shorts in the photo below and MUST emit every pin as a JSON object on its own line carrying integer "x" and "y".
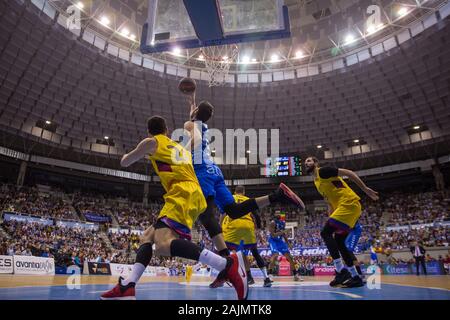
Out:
{"x": 188, "y": 273}
{"x": 347, "y": 213}
{"x": 237, "y": 231}
{"x": 184, "y": 202}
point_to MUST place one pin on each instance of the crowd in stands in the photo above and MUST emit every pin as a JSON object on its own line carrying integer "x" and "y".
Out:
{"x": 33, "y": 202}
{"x": 60, "y": 242}
{"x": 137, "y": 217}
{"x": 91, "y": 207}
{"x": 123, "y": 241}
{"x": 79, "y": 244}
{"x": 427, "y": 207}
{"x": 437, "y": 236}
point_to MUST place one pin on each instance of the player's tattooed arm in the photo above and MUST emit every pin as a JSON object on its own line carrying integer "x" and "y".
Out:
{"x": 354, "y": 177}
{"x": 195, "y": 135}
{"x": 145, "y": 147}
{"x": 192, "y": 104}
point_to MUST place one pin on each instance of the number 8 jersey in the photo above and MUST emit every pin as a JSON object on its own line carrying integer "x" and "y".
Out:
{"x": 333, "y": 188}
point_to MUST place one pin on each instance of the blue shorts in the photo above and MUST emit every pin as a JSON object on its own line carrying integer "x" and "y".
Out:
{"x": 244, "y": 248}
{"x": 278, "y": 246}
{"x": 373, "y": 256}
{"x": 213, "y": 184}
{"x": 353, "y": 237}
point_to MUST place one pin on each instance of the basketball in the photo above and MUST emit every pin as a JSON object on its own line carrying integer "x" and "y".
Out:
{"x": 187, "y": 86}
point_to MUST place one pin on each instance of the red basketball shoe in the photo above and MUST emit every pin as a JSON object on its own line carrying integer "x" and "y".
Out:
{"x": 121, "y": 292}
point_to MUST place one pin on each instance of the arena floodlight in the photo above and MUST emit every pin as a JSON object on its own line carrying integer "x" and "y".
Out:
{"x": 176, "y": 51}
{"x": 105, "y": 21}
{"x": 350, "y": 38}
{"x": 125, "y": 32}
{"x": 299, "y": 54}
{"x": 245, "y": 59}
{"x": 403, "y": 11}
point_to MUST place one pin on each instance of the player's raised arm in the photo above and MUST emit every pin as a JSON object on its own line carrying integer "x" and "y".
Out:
{"x": 272, "y": 230}
{"x": 146, "y": 147}
{"x": 354, "y": 177}
{"x": 192, "y": 104}
{"x": 195, "y": 136}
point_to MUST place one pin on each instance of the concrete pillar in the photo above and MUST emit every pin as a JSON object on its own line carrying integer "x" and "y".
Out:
{"x": 438, "y": 177}
{"x": 145, "y": 198}
{"x": 22, "y": 172}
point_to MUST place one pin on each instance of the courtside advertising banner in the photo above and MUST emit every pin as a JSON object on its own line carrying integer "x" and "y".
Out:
{"x": 201, "y": 272}
{"x": 434, "y": 267}
{"x": 124, "y": 270}
{"x": 324, "y": 271}
{"x": 100, "y": 268}
{"x": 34, "y": 265}
{"x": 396, "y": 269}
{"x": 256, "y": 273}
{"x": 6, "y": 265}
{"x": 162, "y": 271}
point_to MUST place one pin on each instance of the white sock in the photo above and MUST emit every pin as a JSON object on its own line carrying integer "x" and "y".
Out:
{"x": 214, "y": 260}
{"x": 338, "y": 265}
{"x": 264, "y": 272}
{"x": 136, "y": 274}
{"x": 353, "y": 271}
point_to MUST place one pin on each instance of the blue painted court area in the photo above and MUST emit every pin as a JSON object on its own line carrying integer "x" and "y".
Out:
{"x": 200, "y": 291}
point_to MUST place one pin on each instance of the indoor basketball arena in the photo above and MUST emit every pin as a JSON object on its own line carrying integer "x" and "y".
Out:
{"x": 225, "y": 150}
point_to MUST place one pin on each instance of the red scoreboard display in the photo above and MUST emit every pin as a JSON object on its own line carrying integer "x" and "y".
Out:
{"x": 284, "y": 167}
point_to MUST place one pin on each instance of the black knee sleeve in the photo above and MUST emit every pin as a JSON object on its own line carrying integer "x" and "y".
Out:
{"x": 237, "y": 210}
{"x": 259, "y": 260}
{"x": 184, "y": 249}
{"x": 208, "y": 220}
{"x": 330, "y": 242}
{"x": 347, "y": 256}
{"x": 144, "y": 254}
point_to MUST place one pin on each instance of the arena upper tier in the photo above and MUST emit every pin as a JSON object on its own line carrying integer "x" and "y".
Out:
{"x": 61, "y": 96}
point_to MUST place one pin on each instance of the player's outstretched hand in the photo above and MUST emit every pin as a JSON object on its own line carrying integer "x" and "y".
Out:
{"x": 372, "y": 194}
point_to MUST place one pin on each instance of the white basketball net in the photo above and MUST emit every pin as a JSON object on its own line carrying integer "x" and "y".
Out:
{"x": 218, "y": 60}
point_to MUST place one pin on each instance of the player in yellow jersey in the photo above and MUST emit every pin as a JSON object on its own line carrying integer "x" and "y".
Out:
{"x": 188, "y": 273}
{"x": 345, "y": 210}
{"x": 239, "y": 235}
{"x": 184, "y": 202}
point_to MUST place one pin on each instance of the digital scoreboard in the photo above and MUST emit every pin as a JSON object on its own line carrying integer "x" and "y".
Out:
{"x": 284, "y": 167}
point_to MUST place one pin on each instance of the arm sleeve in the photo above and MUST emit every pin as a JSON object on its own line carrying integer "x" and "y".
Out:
{"x": 328, "y": 172}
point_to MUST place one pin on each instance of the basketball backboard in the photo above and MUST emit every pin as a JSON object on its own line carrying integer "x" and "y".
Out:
{"x": 200, "y": 23}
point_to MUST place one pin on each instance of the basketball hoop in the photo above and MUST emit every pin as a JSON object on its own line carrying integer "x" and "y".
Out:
{"x": 218, "y": 60}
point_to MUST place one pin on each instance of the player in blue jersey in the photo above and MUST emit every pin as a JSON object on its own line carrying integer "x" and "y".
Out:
{"x": 351, "y": 242}
{"x": 213, "y": 184}
{"x": 279, "y": 243}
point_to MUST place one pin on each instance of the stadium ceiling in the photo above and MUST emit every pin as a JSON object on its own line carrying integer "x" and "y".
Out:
{"x": 321, "y": 29}
{"x": 62, "y": 97}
